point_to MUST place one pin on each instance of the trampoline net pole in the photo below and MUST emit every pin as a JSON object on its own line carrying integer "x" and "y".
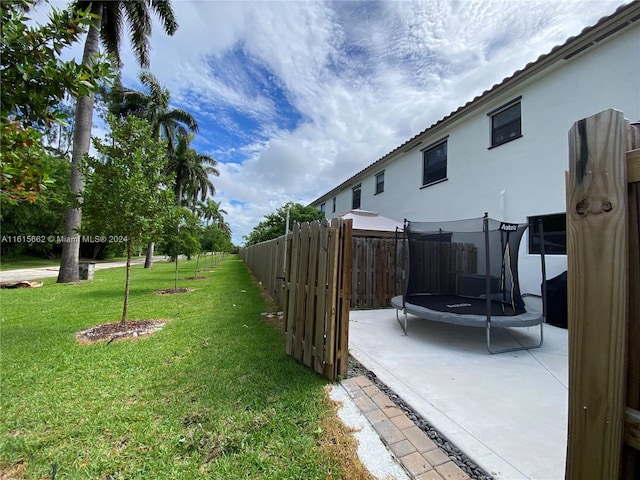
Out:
{"x": 487, "y": 278}
{"x": 404, "y": 278}
{"x": 544, "y": 270}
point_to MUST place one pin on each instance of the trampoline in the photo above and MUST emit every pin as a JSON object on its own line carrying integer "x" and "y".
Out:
{"x": 465, "y": 272}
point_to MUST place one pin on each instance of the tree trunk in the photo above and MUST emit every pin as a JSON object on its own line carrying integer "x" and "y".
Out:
{"x": 148, "y": 261}
{"x": 178, "y": 190}
{"x": 176, "y": 280}
{"x": 81, "y": 139}
{"x": 125, "y": 308}
{"x": 197, "y": 261}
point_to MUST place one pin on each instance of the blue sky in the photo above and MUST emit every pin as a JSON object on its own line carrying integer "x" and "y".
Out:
{"x": 294, "y": 97}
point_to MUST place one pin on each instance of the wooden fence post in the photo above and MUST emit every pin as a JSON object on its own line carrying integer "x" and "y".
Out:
{"x": 598, "y": 263}
{"x": 631, "y": 452}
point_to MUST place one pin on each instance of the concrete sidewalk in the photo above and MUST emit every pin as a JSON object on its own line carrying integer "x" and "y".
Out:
{"x": 29, "y": 274}
{"x": 507, "y": 412}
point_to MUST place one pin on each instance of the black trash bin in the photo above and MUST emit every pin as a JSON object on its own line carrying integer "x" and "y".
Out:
{"x": 557, "y": 301}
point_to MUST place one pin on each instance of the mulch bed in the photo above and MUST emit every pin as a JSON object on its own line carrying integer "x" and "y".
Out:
{"x": 171, "y": 291}
{"x": 22, "y": 284}
{"x": 131, "y": 329}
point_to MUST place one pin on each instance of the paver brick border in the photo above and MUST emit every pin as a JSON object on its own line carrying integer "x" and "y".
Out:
{"x": 421, "y": 458}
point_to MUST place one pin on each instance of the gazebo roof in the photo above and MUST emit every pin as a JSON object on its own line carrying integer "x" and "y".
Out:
{"x": 371, "y": 223}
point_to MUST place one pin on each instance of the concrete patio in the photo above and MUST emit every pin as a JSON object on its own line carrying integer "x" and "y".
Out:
{"x": 507, "y": 412}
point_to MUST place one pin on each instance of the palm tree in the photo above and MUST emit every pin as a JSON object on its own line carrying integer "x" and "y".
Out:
{"x": 107, "y": 28}
{"x": 210, "y": 210}
{"x": 192, "y": 170}
{"x": 168, "y": 123}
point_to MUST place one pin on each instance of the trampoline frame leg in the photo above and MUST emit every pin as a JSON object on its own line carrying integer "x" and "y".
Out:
{"x": 512, "y": 349}
{"x": 404, "y": 326}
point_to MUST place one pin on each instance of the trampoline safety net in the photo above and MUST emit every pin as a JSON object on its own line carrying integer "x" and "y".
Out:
{"x": 462, "y": 266}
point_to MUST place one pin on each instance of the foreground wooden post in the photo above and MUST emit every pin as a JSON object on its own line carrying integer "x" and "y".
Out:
{"x": 631, "y": 453}
{"x": 598, "y": 263}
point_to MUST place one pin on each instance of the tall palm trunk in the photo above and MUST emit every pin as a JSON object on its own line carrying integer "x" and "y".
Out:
{"x": 178, "y": 189}
{"x": 81, "y": 139}
{"x": 148, "y": 261}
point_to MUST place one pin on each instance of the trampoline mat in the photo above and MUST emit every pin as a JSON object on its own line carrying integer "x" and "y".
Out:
{"x": 463, "y": 305}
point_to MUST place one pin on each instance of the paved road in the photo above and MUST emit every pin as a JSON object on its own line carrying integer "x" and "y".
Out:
{"x": 31, "y": 274}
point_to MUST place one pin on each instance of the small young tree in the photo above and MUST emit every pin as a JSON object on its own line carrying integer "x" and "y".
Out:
{"x": 216, "y": 239}
{"x": 180, "y": 236}
{"x": 128, "y": 194}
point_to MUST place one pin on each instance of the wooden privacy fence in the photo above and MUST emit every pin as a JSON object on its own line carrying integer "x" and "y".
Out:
{"x": 374, "y": 280}
{"x": 448, "y": 261}
{"x": 313, "y": 267}
{"x": 376, "y": 269}
{"x": 603, "y": 210}
{"x": 266, "y": 262}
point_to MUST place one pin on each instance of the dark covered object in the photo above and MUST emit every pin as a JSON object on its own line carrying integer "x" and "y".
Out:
{"x": 445, "y": 264}
{"x": 557, "y": 313}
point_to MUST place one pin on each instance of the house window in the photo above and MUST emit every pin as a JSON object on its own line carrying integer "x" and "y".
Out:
{"x": 333, "y": 208}
{"x": 434, "y": 163}
{"x": 356, "y": 192}
{"x": 506, "y": 123}
{"x": 323, "y": 208}
{"x": 555, "y": 234}
{"x": 380, "y": 183}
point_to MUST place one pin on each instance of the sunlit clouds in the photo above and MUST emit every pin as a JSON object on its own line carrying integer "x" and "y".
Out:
{"x": 294, "y": 97}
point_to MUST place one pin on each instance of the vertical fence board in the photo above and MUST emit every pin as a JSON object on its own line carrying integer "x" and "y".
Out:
{"x": 597, "y": 246}
{"x": 288, "y": 242}
{"x": 303, "y": 265}
{"x": 292, "y": 313}
{"x": 310, "y": 307}
{"x": 332, "y": 292}
{"x": 344, "y": 279}
{"x": 321, "y": 300}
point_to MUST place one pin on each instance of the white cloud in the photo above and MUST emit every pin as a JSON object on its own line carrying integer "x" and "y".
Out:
{"x": 358, "y": 79}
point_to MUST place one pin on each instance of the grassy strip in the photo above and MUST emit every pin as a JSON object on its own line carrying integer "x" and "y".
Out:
{"x": 212, "y": 395}
{"x": 27, "y": 262}
{"x": 31, "y": 262}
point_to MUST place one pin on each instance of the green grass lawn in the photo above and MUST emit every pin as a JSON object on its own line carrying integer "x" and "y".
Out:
{"x": 31, "y": 262}
{"x": 212, "y": 395}
{"x": 27, "y": 262}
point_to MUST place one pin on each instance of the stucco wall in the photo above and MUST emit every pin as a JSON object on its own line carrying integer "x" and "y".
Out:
{"x": 524, "y": 177}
